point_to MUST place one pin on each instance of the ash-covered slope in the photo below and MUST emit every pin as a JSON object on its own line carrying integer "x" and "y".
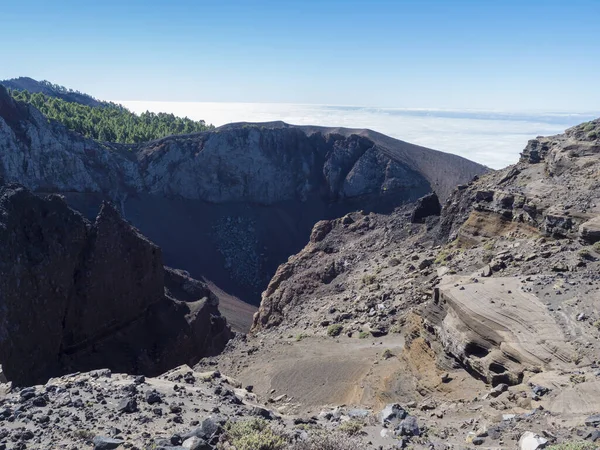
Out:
{"x": 76, "y": 295}
{"x": 232, "y": 204}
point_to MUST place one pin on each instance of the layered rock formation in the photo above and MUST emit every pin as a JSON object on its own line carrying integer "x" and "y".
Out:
{"x": 553, "y": 188}
{"x": 79, "y": 295}
{"x": 496, "y": 330}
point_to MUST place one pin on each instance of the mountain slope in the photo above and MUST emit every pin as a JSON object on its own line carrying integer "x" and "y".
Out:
{"x": 231, "y": 204}
{"x": 52, "y": 90}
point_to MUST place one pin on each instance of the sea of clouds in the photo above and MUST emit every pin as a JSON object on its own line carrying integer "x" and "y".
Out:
{"x": 491, "y": 138}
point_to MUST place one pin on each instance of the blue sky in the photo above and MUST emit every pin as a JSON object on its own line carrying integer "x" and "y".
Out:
{"x": 475, "y": 54}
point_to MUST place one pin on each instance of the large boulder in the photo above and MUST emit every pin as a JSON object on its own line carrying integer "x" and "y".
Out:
{"x": 426, "y": 206}
{"x": 590, "y": 230}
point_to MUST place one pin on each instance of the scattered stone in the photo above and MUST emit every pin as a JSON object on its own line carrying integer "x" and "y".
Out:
{"x": 106, "y": 443}
{"x": 392, "y": 414}
{"x": 593, "y": 421}
{"x": 531, "y": 441}
{"x": 127, "y": 405}
{"x": 153, "y": 397}
{"x": 408, "y": 427}
{"x": 495, "y": 392}
{"x": 478, "y": 440}
{"x": 540, "y": 390}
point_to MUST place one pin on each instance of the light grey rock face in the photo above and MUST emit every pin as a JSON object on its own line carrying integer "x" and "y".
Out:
{"x": 265, "y": 164}
{"x": 45, "y": 156}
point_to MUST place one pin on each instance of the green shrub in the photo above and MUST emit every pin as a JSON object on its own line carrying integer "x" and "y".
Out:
{"x": 369, "y": 279}
{"x": 577, "y": 378}
{"x": 255, "y": 434}
{"x": 442, "y": 256}
{"x": 351, "y": 427}
{"x": 579, "y": 445}
{"x": 395, "y": 329}
{"x": 592, "y": 135}
{"x": 363, "y": 335}
{"x": 329, "y": 441}
{"x": 584, "y": 253}
{"x": 110, "y": 122}
{"x": 589, "y": 126}
{"x": 596, "y": 247}
{"x": 335, "y": 329}
{"x": 85, "y": 435}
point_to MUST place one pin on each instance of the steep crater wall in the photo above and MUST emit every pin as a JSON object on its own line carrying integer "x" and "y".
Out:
{"x": 232, "y": 204}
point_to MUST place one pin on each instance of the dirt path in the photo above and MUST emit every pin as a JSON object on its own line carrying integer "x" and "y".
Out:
{"x": 318, "y": 371}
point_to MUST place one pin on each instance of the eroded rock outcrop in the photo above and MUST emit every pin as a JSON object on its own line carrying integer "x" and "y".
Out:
{"x": 75, "y": 294}
{"x": 496, "y": 330}
{"x": 553, "y": 188}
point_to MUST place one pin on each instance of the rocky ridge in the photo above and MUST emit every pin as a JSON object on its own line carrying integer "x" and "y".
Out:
{"x": 260, "y": 163}
{"x": 47, "y": 88}
{"x": 77, "y": 295}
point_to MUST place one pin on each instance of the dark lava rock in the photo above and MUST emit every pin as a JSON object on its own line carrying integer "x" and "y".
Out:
{"x": 68, "y": 285}
{"x": 40, "y": 401}
{"x": 105, "y": 443}
{"x": 478, "y": 441}
{"x": 153, "y": 397}
{"x": 207, "y": 430}
{"x": 127, "y": 405}
{"x": 261, "y": 412}
{"x": 593, "y": 421}
{"x": 594, "y": 436}
{"x": 540, "y": 390}
{"x": 426, "y": 206}
{"x": 175, "y": 409}
{"x": 408, "y": 427}
{"x": 27, "y": 393}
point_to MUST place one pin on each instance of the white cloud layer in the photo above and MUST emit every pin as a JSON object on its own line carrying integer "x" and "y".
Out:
{"x": 491, "y": 138}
